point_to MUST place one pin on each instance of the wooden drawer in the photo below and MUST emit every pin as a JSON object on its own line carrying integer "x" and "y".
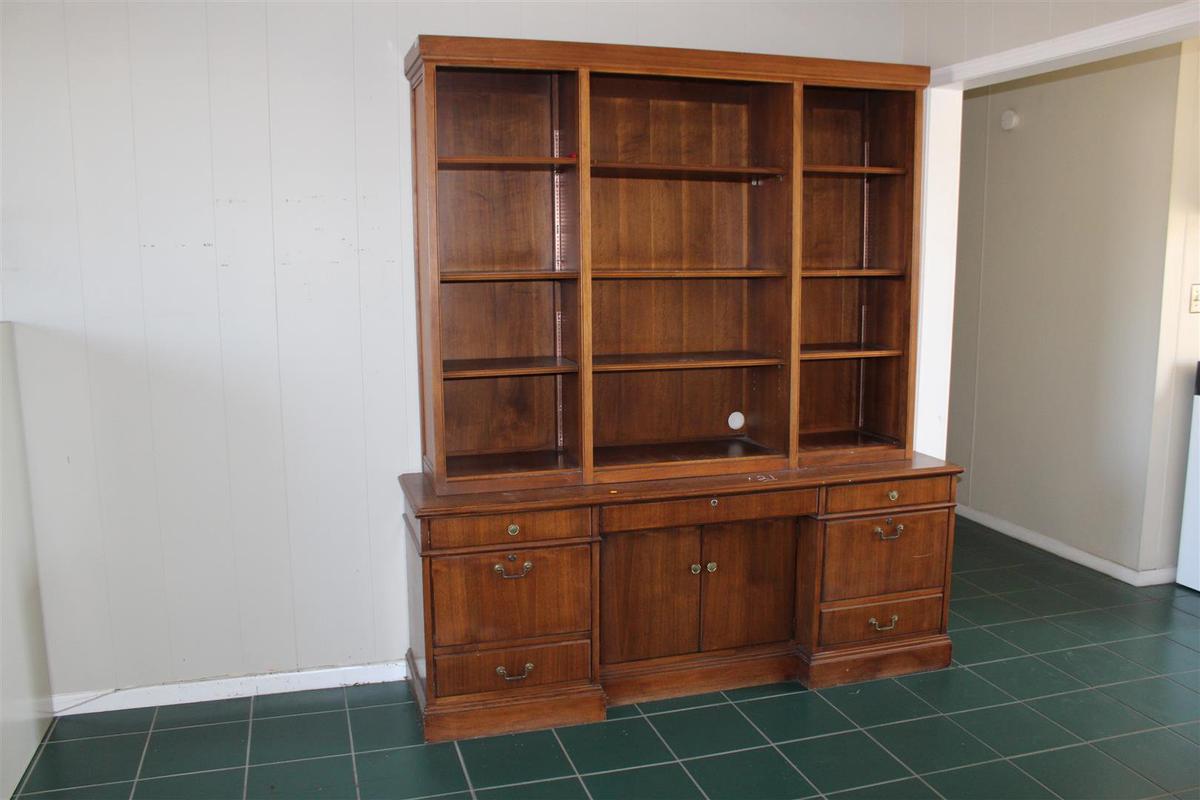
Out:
{"x": 706, "y": 510}
{"x": 468, "y": 673}
{"x": 898, "y": 618}
{"x": 509, "y": 530}
{"x": 887, "y": 494}
{"x": 882, "y": 555}
{"x": 511, "y": 594}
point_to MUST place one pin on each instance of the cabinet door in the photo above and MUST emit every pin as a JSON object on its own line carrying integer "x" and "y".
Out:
{"x": 749, "y": 583}
{"x": 649, "y": 596}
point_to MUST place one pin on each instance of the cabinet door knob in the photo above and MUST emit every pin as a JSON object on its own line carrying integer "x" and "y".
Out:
{"x": 714, "y": 502}
{"x": 893, "y": 495}
{"x": 513, "y": 529}
{"x": 874, "y": 623}
{"x": 695, "y": 569}
{"x": 503, "y": 673}
{"x": 499, "y": 570}
{"x": 712, "y": 566}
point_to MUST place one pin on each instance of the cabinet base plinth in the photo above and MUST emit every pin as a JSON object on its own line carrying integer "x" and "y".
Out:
{"x": 833, "y": 668}
{"x": 563, "y": 706}
{"x": 659, "y": 679}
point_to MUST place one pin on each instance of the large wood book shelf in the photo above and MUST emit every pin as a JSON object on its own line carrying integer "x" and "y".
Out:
{"x": 647, "y": 273}
{"x": 615, "y": 257}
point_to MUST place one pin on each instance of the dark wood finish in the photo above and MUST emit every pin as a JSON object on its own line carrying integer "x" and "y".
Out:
{"x": 883, "y": 555}
{"x": 649, "y": 595}
{"x": 866, "y": 496}
{"x": 509, "y": 530}
{"x": 617, "y": 248}
{"x": 471, "y": 673}
{"x": 473, "y": 602}
{"x": 749, "y": 583}
{"x": 708, "y": 511}
{"x": 892, "y": 618}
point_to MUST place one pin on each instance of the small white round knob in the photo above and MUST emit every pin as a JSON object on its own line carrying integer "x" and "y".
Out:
{"x": 1009, "y": 120}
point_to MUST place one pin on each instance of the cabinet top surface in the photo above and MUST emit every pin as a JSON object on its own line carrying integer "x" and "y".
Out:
{"x": 530, "y": 53}
{"x": 427, "y": 503}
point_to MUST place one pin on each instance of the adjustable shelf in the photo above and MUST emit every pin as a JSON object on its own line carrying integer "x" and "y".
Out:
{"x": 471, "y": 276}
{"x": 461, "y": 368}
{"x": 852, "y": 170}
{"x": 604, "y": 274}
{"x": 506, "y": 162}
{"x": 852, "y": 272}
{"x": 645, "y": 362}
{"x": 626, "y": 169}
{"x": 840, "y": 350}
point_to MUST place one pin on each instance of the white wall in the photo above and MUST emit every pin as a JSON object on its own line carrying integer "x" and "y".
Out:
{"x": 207, "y": 249}
{"x": 24, "y": 673}
{"x": 1062, "y": 247}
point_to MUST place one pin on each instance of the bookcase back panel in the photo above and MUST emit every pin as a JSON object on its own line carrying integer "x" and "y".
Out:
{"x": 833, "y": 222}
{"x": 504, "y": 112}
{"x": 498, "y": 320}
{"x": 653, "y": 316}
{"x": 493, "y": 219}
{"x": 496, "y": 415}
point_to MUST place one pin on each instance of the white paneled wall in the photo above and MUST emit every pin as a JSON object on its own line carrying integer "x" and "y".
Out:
{"x": 207, "y": 251}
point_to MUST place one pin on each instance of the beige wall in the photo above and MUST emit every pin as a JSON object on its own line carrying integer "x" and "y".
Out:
{"x": 1055, "y": 387}
{"x": 24, "y": 673}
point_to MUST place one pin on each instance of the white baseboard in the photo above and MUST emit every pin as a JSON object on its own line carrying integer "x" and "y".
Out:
{"x": 168, "y": 694}
{"x": 1151, "y": 577}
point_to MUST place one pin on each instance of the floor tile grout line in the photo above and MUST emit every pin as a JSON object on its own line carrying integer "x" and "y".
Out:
{"x": 671, "y": 750}
{"x": 774, "y": 746}
{"x": 249, "y": 739}
{"x": 462, "y": 763}
{"x": 571, "y": 761}
{"x": 350, "y": 734}
{"x": 142, "y": 760}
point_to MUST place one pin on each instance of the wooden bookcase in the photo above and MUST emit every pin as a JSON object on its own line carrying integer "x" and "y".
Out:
{"x": 613, "y": 263}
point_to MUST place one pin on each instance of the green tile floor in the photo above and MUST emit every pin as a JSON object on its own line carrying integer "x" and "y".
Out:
{"x": 1066, "y": 684}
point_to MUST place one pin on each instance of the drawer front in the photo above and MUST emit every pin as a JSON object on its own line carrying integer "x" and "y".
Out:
{"x": 509, "y": 530}
{"x": 887, "y": 494}
{"x": 881, "y": 621}
{"x": 511, "y": 594}
{"x": 705, "y": 510}
{"x": 513, "y": 669}
{"x": 882, "y": 555}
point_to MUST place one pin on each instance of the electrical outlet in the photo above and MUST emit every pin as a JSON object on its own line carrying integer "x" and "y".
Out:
{"x": 1194, "y": 305}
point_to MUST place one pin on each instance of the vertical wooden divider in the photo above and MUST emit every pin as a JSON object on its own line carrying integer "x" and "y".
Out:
{"x": 796, "y": 283}
{"x": 584, "y": 160}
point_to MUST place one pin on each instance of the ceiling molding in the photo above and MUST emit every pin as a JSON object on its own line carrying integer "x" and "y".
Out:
{"x": 1141, "y": 32}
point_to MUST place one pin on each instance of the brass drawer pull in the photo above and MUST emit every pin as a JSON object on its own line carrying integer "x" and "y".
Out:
{"x": 893, "y": 495}
{"x": 513, "y": 529}
{"x": 499, "y": 569}
{"x": 712, "y": 566}
{"x": 899, "y": 530}
{"x": 874, "y": 623}
{"x": 503, "y": 673}
{"x": 695, "y": 569}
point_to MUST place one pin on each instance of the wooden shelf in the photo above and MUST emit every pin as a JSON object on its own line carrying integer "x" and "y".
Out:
{"x": 645, "y": 362}
{"x": 472, "y": 276}
{"x": 852, "y": 272}
{"x": 843, "y": 440}
{"x": 851, "y": 170}
{"x": 658, "y": 274}
{"x": 675, "y": 452}
{"x": 828, "y": 351}
{"x": 505, "y": 162}
{"x": 620, "y": 169}
{"x": 461, "y": 467}
{"x": 460, "y": 368}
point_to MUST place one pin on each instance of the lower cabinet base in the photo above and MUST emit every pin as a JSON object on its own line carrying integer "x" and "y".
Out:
{"x": 877, "y": 661}
{"x": 678, "y": 676}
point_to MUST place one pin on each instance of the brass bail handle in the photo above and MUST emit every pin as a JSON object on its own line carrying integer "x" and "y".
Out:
{"x": 499, "y": 570}
{"x": 887, "y": 538}
{"x": 503, "y": 673}
{"x": 874, "y": 623}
